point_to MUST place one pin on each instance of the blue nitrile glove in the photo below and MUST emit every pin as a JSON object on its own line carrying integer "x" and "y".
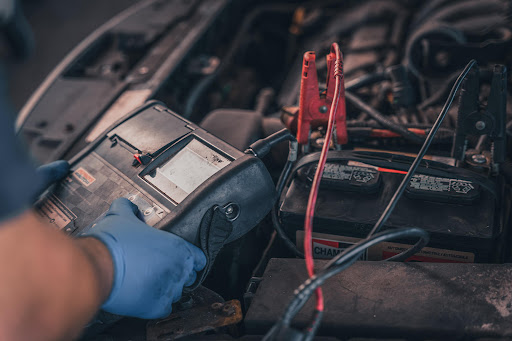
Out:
{"x": 151, "y": 267}
{"x": 20, "y": 182}
{"x": 22, "y": 189}
{"x": 49, "y": 174}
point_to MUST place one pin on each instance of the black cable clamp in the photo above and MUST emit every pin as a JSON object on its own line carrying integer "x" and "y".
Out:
{"x": 475, "y": 120}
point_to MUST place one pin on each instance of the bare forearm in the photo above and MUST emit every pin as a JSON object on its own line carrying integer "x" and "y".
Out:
{"x": 51, "y": 285}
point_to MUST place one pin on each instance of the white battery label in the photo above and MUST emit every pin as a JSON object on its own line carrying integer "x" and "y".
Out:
{"x": 327, "y": 246}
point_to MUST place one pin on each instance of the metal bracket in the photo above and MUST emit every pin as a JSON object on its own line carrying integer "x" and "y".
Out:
{"x": 475, "y": 121}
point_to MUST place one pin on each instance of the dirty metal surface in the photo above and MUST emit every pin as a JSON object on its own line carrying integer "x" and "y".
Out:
{"x": 194, "y": 321}
{"x": 394, "y": 300}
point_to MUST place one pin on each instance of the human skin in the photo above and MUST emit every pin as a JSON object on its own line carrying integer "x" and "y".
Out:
{"x": 51, "y": 285}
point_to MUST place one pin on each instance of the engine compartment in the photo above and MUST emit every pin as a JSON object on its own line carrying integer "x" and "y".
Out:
{"x": 235, "y": 69}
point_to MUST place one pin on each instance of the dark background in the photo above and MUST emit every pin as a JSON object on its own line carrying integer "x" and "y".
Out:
{"x": 58, "y": 26}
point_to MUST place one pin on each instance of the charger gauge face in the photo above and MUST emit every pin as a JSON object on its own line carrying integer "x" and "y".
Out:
{"x": 186, "y": 170}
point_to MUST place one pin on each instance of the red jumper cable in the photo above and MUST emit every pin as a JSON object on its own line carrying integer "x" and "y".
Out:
{"x": 335, "y": 99}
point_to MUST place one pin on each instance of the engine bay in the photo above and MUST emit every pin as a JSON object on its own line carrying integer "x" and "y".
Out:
{"x": 411, "y": 71}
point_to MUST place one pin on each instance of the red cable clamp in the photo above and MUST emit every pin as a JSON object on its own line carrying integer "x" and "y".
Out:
{"x": 313, "y": 107}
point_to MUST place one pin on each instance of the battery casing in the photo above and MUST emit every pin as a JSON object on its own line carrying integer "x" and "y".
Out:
{"x": 467, "y": 223}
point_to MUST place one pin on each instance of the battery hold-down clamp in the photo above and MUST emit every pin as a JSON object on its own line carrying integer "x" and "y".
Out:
{"x": 314, "y": 106}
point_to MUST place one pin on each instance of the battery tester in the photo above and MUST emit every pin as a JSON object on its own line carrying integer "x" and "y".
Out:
{"x": 183, "y": 180}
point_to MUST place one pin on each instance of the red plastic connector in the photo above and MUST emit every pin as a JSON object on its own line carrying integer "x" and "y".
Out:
{"x": 313, "y": 107}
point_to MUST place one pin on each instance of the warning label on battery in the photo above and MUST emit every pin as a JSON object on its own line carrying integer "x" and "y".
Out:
{"x": 436, "y": 184}
{"x": 460, "y": 186}
{"x": 342, "y": 172}
{"x": 55, "y": 212}
{"x": 84, "y": 176}
{"x": 387, "y": 250}
{"x": 326, "y": 246}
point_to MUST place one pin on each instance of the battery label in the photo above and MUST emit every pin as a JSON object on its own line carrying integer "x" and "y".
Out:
{"x": 432, "y": 255}
{"x": 348, "y": 178}
{"x": 84, "y": 176}
{"x": 342, "y": 172}
{"x": 424, "y": 187}
{"x": 432, "y": 188}
{"x": 327, "y": 249}
{"x": 435, "y": 184}
{"x": 76, "y": 203}
{"x": 56, "y": 213}
{"x": 326, "y": 246}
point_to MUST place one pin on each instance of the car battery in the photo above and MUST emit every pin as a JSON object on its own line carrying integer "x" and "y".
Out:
{"x": 461, "y": 216}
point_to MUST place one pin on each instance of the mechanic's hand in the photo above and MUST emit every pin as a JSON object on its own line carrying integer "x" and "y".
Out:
{"x": 22, "y": 184}
{"x": 49, "y": 174}
{"x": 151, "y": 267}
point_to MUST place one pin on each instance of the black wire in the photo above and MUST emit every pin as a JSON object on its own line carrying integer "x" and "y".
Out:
{"x": 367, "y": 79}
{"x": 485, "y": 74}
{"x": 349, "y": 257}
{"x": 407, "y": 178}
{"x": 262, "y": 147}
{"x": 377, "y": 116}
{"x": 260, "y": 267}
{"x": 281, "y": 183}
{"x": 340, "y": 263}
{"x": 317, "y": 320}
{"x": 343, "y": 261}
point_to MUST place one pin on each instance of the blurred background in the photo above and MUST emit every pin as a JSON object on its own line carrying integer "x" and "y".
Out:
{"x": 58, "y": 26}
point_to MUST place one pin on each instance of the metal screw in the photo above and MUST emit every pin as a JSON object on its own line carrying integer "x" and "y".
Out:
{"x": 232, "y": 211}
{"x": 323, "y": 109}
{"x": 228, "y": 310}
{"x": 479, "y": 158}
{"x": 217, "y": 306}
{"x": 148, "y": 211}
{"x": 480, "y": 125}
